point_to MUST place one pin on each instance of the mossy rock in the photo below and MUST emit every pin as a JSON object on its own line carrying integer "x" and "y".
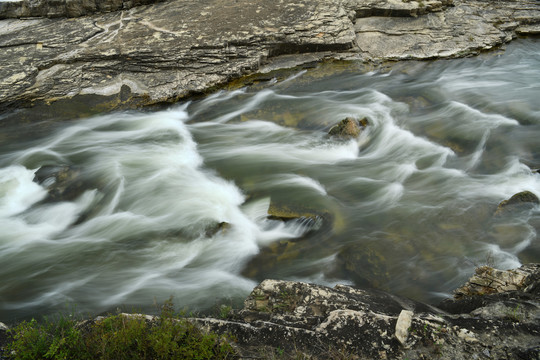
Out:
{"x": 520, "y": 201}
{"x": 348, "y": 128}
{"x": 286, "y": 212}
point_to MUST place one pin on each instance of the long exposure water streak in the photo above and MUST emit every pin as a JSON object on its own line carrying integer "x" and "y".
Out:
{"x": 174, "y": 202}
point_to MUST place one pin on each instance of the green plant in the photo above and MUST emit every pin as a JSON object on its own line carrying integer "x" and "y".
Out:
{"x": 514, "y": 314}
{"x": 121, "y": 336}
{"x": 225, "y": 311}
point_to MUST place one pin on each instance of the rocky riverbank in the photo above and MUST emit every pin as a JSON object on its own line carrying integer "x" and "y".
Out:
{"x": 170, "y": 50}
{"x": 494, "y": 316}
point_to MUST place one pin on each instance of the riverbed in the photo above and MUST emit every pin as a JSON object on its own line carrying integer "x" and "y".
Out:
{"x": 175, "y": 202}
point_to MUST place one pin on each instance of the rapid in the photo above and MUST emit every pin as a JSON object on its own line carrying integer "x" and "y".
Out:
{"x": 175, "y": 202}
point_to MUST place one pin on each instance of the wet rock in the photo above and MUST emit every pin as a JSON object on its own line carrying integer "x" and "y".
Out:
{"x": 63, "y": 183}
{"x": 364, "y": 265}
{"x": 218, "y": 228}
{"x": 488, "y": 280}
{"x": 308, "y": 218}
{"x": 323, "y": 322}
{"x": 311, "y": 224}
{"x": 348, "y": 128}
{"x": 520, "y": 201}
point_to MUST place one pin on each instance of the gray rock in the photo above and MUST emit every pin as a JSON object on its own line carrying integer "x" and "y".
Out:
{"x": 64, "y": 8}
{"x": 323, "y": 322}
{"x": 178, "y": 48}
{"x": 63, "y": 183}
{"x": 3, "y": 337}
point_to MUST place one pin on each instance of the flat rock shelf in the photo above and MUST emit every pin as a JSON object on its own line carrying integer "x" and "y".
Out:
{"x": 169, "y": 50}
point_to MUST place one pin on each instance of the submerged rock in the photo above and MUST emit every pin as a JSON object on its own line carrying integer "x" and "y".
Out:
{"x": 364, "y": 265}
{"x": 348, "y": 128}
{"x": 320, "y": 322}
{"x": 311, "y": 219}
{"x": 519, "y": 201}
{"x": 217, "y": 228}
{"x": 63, "y": 182}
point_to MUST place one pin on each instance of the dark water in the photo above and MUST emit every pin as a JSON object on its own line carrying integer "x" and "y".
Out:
{"x": 174, "y": 203}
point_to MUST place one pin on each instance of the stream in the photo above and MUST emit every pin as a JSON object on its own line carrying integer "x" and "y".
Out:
{"x": 127, "y": 209}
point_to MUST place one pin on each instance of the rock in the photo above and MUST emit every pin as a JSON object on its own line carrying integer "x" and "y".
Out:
{"x": 287, "y": 212}
{"x": 321, "y": 322}
{"x": 64, "y": 8}
{"x": 343, "y": 318}
{"x": 63, "y": 182}
{"x": 309, "y": 218}
{"x": 3, "y": 338}
{"x": 348, "y": 128}
{"x": 217, "y": 228}
{"x": 519, "y": 201}
{"x": 161, "y": 59}
{"x": 488, "y": 280}
{"x": 364, "y": 265}
{"x": 403, "y": 325}
{"x": 444, "y": 31}
{"x": 310, "y": 223}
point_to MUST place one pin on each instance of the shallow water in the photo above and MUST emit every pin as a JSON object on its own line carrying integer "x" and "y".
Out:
{"x": 174, "y": 202}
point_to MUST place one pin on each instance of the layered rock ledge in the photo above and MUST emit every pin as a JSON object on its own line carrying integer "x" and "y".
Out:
{"x": 169, "y": 50}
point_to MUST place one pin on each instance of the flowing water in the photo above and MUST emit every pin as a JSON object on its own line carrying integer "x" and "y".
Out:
{"x": 136, "y": 206}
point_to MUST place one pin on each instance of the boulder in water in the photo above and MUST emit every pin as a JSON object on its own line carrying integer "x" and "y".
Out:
{"x": 364, "y": 265}
{"x": 217, "y": 228}
{"x": 285, "y": 212}
{"x": 63, "y": 182}
{"x": 521, "y": 200}
{"x": 348, "y": 128}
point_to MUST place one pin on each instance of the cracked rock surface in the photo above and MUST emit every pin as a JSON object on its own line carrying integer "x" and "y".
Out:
{"x": 169, "y": 50}
{"x": 342, "y": 321}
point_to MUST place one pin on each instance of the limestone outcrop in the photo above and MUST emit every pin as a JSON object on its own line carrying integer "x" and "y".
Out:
{"x": 322, "y": 322}
{"x": 173, "y": 49}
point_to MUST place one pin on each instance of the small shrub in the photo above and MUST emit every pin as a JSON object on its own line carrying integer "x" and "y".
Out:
{"x": 117, "y": 337}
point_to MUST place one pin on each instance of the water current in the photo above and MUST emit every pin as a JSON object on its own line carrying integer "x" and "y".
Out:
{"x": 134, "y": 207}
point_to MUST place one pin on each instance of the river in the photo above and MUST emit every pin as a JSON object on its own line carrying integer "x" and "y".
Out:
{"x": 175, "y": 202}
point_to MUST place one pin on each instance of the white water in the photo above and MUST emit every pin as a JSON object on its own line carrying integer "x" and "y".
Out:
{"x": 414, "y": 195}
